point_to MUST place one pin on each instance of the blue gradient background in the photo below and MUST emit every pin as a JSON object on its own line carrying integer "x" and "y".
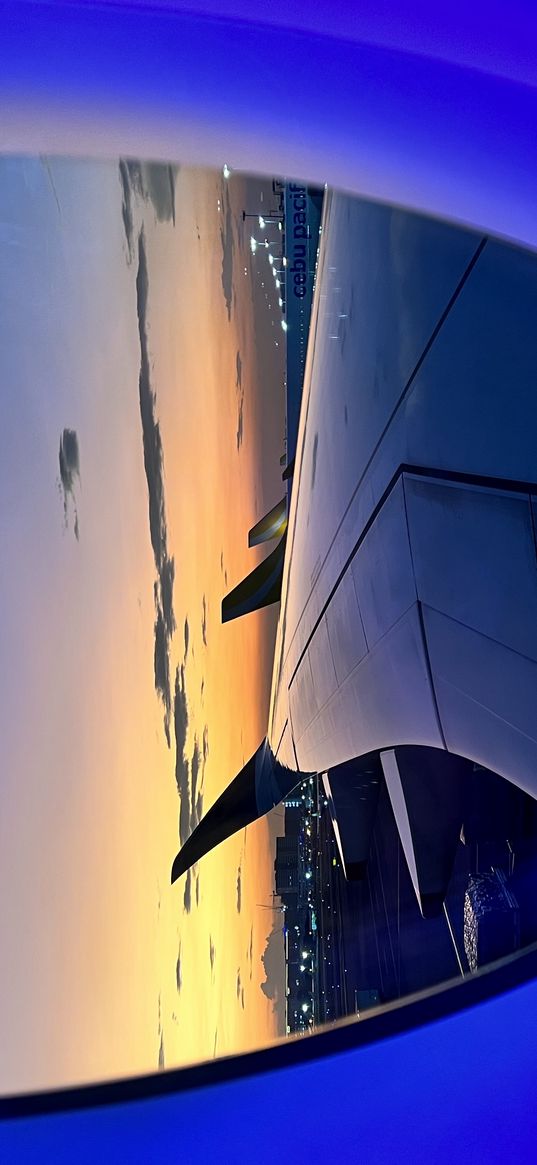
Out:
{"x": 460, "y": 1089}
{"x": 428, "y": 106}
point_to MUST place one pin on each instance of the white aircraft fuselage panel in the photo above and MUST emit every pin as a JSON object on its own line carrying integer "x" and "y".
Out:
{"x": 409, "y": 613}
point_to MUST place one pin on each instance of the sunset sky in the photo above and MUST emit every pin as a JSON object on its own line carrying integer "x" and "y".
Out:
{"x": 132, "y": 322}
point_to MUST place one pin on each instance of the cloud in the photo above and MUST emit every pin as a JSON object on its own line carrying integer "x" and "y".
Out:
{"x": 159, "y": 181}
{"x": 133, "y": 170}
{"x": 180, "y": 712}
{"x": 205, "y": 743}
{"x": 167, "y": 579}
{"x": 239, "y": 890}
{"x": 187, "y": 770}
{"x": 187, "y": 896}
{"x": 69, "y": 458}
{"x": 194, "y": 771}
{"x": 228, "y": 247}
{"x": 162, "y": 669}
{"x": 152, "y": 442}
{"x": 154, "y": 182}
{"x": 154, "y": 472}
{"x": 204, "y": 620}
{"x": 126, "y": 208}
{"x": 182, "y": 777}
{"x": 240, "y": 423}
{"x": 187, "y": 638}
{"x": 240, "y": 401}
{"x": 182, "y": 766}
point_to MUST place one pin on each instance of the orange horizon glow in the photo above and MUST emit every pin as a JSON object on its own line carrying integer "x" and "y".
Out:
{"x": 91, "y": 925}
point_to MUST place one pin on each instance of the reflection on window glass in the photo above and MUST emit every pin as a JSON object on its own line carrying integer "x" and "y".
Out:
{"x": 269, "y": 611}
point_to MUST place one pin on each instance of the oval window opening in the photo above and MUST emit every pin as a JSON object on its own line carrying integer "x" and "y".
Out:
{"x": 269, "y": 600}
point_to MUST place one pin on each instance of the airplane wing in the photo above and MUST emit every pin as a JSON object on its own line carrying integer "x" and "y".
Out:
{"x": 409, "y": 590}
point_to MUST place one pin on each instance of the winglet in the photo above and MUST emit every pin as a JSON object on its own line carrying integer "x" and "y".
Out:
{"x": 259, "y": 786}
{"x": 271, "y": 525}
{"x": 260, "y": 588}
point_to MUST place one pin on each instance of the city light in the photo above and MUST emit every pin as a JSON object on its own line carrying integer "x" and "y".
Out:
{"x": 262, "y": 223}
{"x": 226, "y": 170}
{"x": 301, "y": 879}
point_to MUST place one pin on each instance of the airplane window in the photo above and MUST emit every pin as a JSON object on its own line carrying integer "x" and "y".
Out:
{"x": 269, "y": 600}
